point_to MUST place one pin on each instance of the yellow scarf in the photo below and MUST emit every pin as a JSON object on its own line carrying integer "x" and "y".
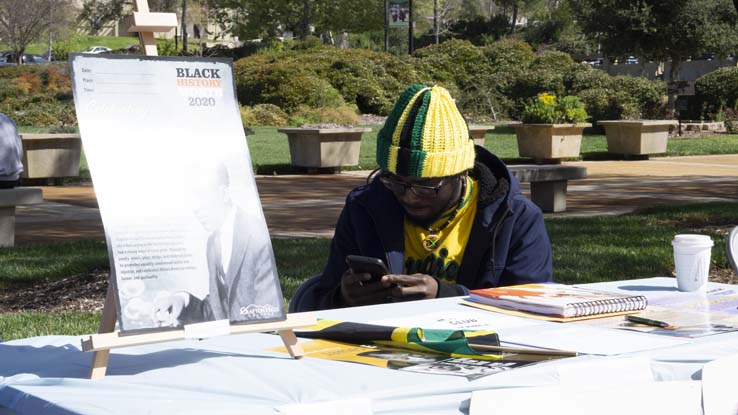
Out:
{"x": 442, "y": 259}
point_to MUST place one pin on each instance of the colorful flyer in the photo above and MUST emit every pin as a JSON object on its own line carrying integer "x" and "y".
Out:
{"x": 414, "y": 361}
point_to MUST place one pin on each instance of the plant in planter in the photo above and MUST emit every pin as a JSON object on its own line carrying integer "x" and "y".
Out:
{"x": 552, "y": 128}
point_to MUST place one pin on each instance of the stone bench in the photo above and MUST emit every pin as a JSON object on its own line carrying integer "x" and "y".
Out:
{"x": 548, "y": 183}
{"x": 51, "y": 156}
{"x": 9, "y": 199}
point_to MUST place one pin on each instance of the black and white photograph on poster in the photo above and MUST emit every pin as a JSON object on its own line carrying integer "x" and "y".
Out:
{"x": 185, "y": 230}
{"x": 468, "y": 368}
{"x": 399, "y": 13}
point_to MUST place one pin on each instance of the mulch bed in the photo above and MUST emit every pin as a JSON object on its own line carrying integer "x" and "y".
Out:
{"x": 83, "y": 292}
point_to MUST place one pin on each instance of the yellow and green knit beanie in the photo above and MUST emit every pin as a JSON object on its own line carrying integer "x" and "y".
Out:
{"x": 425, "y": 135}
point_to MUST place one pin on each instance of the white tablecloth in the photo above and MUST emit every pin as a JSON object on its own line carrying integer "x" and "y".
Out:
{"x": 234, "y": 374}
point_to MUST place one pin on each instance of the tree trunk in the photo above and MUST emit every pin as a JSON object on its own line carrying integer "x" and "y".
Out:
{"x": 435, "y": 19}
{"x": 673, "y": 85}
{"x": 19, "y": 56}
{"x": 514, "y": 18}
{"x": 386, "y": 25}
{"x": 345, "y": 42}
{"x": 50, "y": 50}
{"x": 184, "y": 25}
{"x": 305, "y": 20}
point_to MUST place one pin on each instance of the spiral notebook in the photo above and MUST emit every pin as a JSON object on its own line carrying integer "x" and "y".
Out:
{"x": 558, "y": 300}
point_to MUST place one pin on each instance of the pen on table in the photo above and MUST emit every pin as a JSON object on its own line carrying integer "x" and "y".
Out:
{"x": 522, "y": 350}
{"x": 647, "y": 321}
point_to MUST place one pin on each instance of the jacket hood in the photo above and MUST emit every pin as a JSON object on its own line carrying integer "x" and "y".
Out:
{"x": 488, "y": 165}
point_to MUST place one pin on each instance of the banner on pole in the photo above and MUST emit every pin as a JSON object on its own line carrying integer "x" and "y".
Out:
{"x": 399, "y": 11}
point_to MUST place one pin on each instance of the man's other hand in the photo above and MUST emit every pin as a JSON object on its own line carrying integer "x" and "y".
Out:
{"x": 411, "y": 287}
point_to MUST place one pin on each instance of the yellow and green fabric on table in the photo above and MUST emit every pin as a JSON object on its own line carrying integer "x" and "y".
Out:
{"x": 453, "y": 343}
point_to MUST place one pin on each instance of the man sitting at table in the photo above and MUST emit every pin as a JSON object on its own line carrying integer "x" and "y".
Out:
{"x": 444, "y": 215}
{"x": 11, "y": 153}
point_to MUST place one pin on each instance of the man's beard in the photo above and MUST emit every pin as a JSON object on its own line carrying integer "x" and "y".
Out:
{"x": 423, "y": 222}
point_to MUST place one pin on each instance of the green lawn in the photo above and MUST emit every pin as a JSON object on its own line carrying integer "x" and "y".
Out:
{"x": 584, "y": 249}
{"x": 25, "y": 264}
{"x": 270, "y": 152}
{"x": 78, "y": 43}
{"x": 31, "y": 324}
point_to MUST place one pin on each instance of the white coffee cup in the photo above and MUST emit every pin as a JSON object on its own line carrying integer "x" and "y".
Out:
{"x": 692, "y": 261}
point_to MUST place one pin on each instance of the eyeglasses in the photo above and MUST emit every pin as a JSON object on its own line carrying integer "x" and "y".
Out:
{"x": 399, "y": 188}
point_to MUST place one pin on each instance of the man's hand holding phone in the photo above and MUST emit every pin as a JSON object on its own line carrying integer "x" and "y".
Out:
{"x": 361, "y": 284}
{"x": 367, "y": 281}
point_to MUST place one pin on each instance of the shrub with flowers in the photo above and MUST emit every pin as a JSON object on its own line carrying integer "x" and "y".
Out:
{"x": 547, "y": 109}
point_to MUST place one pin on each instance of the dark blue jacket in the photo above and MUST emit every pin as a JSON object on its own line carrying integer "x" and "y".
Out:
{"x": 508, "y": 243}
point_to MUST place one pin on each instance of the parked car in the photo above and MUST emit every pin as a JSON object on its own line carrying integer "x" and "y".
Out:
{"x": 97, "y": 49}
{"x": 48, "y": 56}
{"x": 128, "y": 50}
{"x": 8, "y": 59}
{"x": 631, "y": 60}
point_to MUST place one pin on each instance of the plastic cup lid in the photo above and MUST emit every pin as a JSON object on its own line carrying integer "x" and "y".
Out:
{"x": 692, "y": 239}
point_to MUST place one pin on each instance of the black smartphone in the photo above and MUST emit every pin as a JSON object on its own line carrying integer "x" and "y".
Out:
{"x": 367, "y": 265}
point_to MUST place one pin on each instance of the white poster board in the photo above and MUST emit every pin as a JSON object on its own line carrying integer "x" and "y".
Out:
{"x": 186, "y": 234}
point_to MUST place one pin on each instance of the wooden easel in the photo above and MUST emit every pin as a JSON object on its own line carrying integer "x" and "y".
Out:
{"x": 146, "y": 24}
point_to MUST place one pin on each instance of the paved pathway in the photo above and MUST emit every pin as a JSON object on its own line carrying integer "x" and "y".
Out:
{"x": 308, "y": 206}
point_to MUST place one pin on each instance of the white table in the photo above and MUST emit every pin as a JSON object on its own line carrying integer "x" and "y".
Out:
{"x": 235, "y": 374}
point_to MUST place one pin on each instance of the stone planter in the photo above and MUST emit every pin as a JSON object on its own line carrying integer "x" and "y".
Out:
{"x": 637, "y": 137}
{"x": 324, "y": 147}
{"x": 696, "y": 127}
{"x": 51, "y": 155}
{"x": 477, "y": 133}
{"x": 549, "y": 142}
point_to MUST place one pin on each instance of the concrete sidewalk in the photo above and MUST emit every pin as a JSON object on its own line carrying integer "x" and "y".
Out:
{"x": 308, "y": 206}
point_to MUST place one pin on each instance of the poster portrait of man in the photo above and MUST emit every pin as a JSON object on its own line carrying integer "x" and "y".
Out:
{"x": 240, "y": 272}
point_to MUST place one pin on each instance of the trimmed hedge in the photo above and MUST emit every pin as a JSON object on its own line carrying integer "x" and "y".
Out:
{"x": 310, "y": 82}
{"x": 715, "y": 92}
{"x": 324, "y": 77}
{"x": 264, "y": 114}
{"x": 497, "y": 78}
